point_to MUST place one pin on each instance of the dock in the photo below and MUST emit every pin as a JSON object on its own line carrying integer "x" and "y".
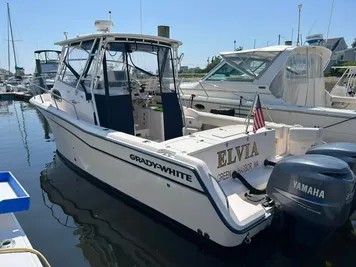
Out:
{"x": 15, "y": 96}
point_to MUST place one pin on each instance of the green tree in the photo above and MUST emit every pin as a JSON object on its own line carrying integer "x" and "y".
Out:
{"x": 215, "y": 60}
{"x": 353, "y": 45}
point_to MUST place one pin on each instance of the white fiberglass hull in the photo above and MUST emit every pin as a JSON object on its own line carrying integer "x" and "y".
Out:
{"x": 116, "y": 165}
{"x": 339, "y": 125}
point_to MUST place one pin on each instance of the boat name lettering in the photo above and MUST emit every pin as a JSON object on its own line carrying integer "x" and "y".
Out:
{"x": 308, "y": 189}
{"x": 230, "y": 155}
{"x": 241, "y": 169}
{"x": 165, "y": 169}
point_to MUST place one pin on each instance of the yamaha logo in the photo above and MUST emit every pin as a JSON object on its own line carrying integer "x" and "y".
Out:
{"x": 313, "y": 191}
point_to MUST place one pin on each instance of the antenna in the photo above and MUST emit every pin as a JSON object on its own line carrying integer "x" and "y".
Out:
{"x": 331, "y": 13}
{"x": 300, "y": 9}
{"x": 66, "y": 35}
{"x": 110, "y": 16}
{"x": 292, "y": 35}
{"x": 141, "y": 15}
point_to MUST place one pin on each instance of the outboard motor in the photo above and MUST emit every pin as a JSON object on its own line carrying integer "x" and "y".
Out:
{"x": 340, "y": 150}
{"x": 314, "y": 193}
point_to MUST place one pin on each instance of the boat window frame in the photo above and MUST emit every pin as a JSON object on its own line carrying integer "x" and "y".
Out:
{"x": 219, "y": 66}
{"x": 155, "y": 45}
{"x": 226, "y": 61}
{"x": 278, "y": 53}
{"x": 91, "y": 54}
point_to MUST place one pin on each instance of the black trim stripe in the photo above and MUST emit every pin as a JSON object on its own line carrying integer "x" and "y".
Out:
{"x": 207, "y": 193}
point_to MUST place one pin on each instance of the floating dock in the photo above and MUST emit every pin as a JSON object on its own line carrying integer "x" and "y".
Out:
{"x": 15, "y": 96}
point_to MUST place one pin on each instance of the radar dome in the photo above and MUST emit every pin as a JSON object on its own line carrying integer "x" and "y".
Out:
{"x": 103, "y": 25}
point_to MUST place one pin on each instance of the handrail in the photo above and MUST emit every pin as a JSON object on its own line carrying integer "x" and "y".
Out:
{"x": 53, "y": 94}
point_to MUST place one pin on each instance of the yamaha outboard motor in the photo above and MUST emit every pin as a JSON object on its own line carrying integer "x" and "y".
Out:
{"x": 314, "y": 193}
{"x": 340, "y": 150}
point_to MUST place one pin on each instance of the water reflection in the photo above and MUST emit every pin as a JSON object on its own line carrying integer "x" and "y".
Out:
{"x": 21, "y": 122}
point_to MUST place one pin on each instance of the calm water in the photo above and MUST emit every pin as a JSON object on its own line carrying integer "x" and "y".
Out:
{"x": 74, "y": 223}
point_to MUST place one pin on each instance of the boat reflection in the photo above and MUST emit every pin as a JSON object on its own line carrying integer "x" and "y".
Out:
{"x": 4, "y": 109}
{"x": 45, "y": 125}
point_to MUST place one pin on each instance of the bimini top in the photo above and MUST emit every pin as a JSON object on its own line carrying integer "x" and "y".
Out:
{"x": 46, "y": 51}
{"x": 126, "y": 37}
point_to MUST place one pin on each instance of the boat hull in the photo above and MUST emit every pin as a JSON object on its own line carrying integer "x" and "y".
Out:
{"x": 109, "y": 163}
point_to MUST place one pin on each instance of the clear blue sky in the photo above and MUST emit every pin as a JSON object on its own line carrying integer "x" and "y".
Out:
{"x": 205, "y": 27}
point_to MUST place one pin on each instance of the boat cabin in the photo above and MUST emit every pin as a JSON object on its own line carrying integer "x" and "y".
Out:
{"x": 289, "y": 73}
{"x": 123, "y": 82}
{"x": 48, "y": 60}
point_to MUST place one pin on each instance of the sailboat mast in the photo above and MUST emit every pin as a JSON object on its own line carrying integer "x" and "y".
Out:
{"x": 8, "y": 48}
{"x": 12, "y": 35}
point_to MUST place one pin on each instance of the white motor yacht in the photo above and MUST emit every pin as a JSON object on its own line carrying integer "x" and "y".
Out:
{"x": 291, "y": 84}
{"x": 116, "y": 116}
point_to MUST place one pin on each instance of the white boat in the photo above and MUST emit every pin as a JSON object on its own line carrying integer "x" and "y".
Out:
{"x": 290, "y": 82}
{"x": 46, "y": 69}
{"x": 15, "y": 248}
{"x": 115, "y": 115}
{"x": 346, "y": 85}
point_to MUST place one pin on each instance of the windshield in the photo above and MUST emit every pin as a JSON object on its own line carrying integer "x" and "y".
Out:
{"x": 137, "y": 65}
{"x": 244, "y": 67}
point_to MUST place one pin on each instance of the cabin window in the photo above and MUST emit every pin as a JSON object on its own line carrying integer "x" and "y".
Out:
{"x": 226, "y": 73}
{"x": 244, "y": 67}
{"x": 75, "y": 62}
{"x": 251, "y": 64}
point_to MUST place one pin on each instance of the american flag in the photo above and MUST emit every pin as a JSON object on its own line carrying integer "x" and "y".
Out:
{"x": 259, "y": 120}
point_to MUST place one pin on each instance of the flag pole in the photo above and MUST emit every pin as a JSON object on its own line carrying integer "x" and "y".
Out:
{"x": 269, "y": 115}
{"x": 249, "y": 114}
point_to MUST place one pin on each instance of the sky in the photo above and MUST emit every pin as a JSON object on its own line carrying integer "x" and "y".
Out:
{"x": 205, "y": 27}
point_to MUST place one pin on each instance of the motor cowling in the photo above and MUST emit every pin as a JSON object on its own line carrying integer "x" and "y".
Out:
{"x": 314, "y": 191}
{"x": 341, "y": 150}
